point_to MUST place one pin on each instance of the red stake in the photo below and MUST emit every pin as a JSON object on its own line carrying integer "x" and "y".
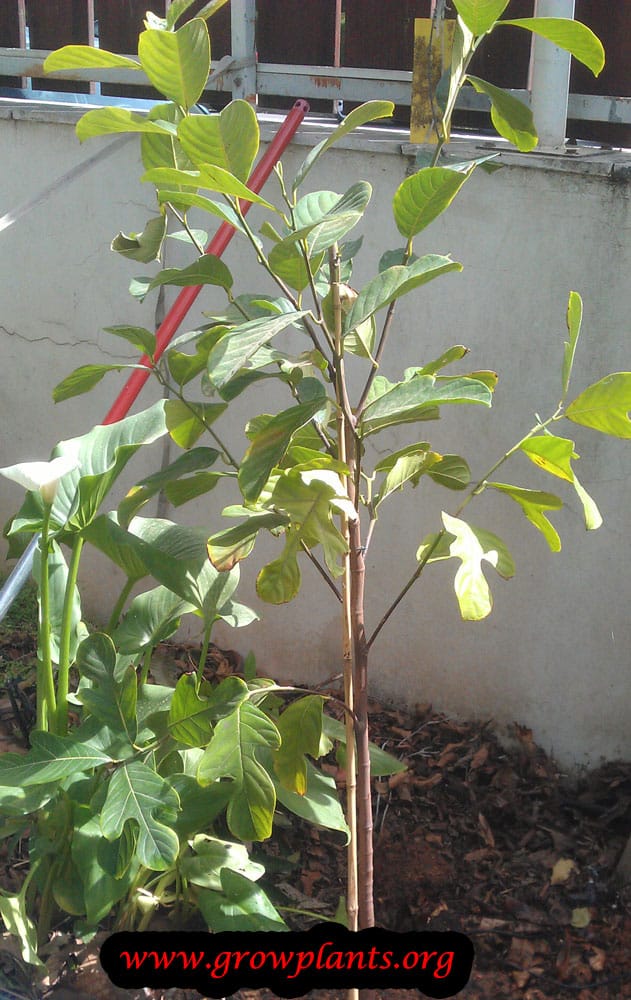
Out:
{"x": 217, "y": 245}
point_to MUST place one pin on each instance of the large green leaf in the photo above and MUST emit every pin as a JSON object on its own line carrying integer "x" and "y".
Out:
{"x": 393, "y": 283}
{"x": 422, "y": 197}
{"x": 193, "y": 713}
{"x": 177, "y": 63}
{"x": 101, "y": 455}
{"x": 471, "y": 546}
{"x": 405, "y": 468}
{"x": 320, "y": 804}
{"x": 574, "y": 318}
{"x": 186, "y": 422}
{"x": 241, "y": 906}
{"x": 359, "y": 116}
{"x": 288, "y": 263}
{"x": 451, "y": 471}
{"x": 57, "y": 585}
{"x": 209, "y": 177}
{"x": 136, "y": 793}
{"x": 86, "y": 57}
{"x": 239, "y": 344}
{"x": 199, "y": 806}
{"x": 206, "y": 270}
{"x": 300, "y": 728}
{"x": 605, "y": 406}
{"x": 512, "y": 119}
{"x": 192, "y": 461}
{"x": 232, "y": 754}
{"x": 83, "y": 379}
{"x": 226, "y": 548}
{"x": 382, "y": 764}
{"x": 161, "y": 150}
{"x": 144, "y": 246}
{"x": 51, "y": 758}
{"x": 418, "y": 398}
{"x": 573, "y": 36}
{"x": 112, "y": 696}
{"x": 480, "y": 15}
{"x": 19, "y": 925}
{"x": 534, "y": 503}
{"x": 106, "y": 121}
{"x": 269, "y": 446}
{"x": 140, "y": 338}
{"x": 190, "y": 199}
{"x": 229, "y": 139}
{"x": 152, "y": 618}
{"x": 177, "y": 8}
{"x": 204, "y": 867}
{"x": 100, "y": 889}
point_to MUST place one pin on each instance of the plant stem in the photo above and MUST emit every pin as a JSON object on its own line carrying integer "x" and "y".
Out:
{"x": 228, "y": 458}
{"x": 204, "y": 653}
{"x": 352, "y": 896}
{"x": 473, "y": 492}
{"x": 321, "y": 570}
{"x": 46, "y": 700}
{"x": 120, "y": 604}
{"x": 61, "y": 716}
{"x": 146, "y": 665}
{"x": 182, "y": 219}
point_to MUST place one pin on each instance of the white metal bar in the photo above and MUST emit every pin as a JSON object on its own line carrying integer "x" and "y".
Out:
{"x": 243, "y": 28}
{"x": 25, "y": 81}
{"x": 94, "y": 87}
{"x": 550, "y": 76}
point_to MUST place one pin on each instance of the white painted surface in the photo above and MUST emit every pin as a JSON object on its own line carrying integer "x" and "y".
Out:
{"x": 550, "y": 69}
{"x": 554, "y": 655}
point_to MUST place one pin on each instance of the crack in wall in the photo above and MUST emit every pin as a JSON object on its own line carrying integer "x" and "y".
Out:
{"x": 62, "y": 343}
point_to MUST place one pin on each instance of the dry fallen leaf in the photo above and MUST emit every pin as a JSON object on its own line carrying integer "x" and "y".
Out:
{"x": 562, "y": 870}
{"x": 581, "y": 916}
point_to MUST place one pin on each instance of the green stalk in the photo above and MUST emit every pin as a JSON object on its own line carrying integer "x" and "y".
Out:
{"x": 120, "y": 604}
{"x": 204, "y": 653}
{"x": 146, "y": 665}
{"x": 46, "y": 701}
{"x": 61, "y": 718}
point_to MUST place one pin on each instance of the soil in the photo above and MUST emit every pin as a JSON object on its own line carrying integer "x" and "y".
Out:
{"x": 476, "y": 836}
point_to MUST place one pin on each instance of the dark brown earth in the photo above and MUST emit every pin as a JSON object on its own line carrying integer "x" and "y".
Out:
{"x": 478, "y": 837}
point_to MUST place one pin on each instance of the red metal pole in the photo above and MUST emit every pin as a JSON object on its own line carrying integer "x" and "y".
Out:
{"x": 217, "y": 245}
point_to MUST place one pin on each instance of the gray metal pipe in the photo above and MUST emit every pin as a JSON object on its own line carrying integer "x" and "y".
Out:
{"x": 17, "y": 577}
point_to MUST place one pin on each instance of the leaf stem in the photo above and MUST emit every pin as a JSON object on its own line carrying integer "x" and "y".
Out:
{"x": 321, "y": 570}
{"x": 61, "y": 716}
{"x": 46, "y": 699}
{"x": 182, "y": 219}
{"x": 120, "y": 604}
{"x": 204, "y": 652}
{"x": 177, "y": 392}
{"x": 146, "y": 665}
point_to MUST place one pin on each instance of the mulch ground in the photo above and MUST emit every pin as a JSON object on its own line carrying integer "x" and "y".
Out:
{"x": 484, "y": 838}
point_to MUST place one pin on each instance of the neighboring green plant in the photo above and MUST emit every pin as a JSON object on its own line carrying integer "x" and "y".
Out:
{"x": 123, "y": 803}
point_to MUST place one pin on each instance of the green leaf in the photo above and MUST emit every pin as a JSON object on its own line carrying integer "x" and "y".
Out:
{"x": 209, "y": 177}
{"x": 189, "y": 199}
{"x": 480, "y": 15}
{"x": 183, "y": 490}
{"x": 511, "y": 118}
{"x": 593, "y": 517}
{"x": 191, "y": 716}
{"x": 186, "y": 422}
{"x": 447, "y": 358}
{"x": 551, "y": 453}
{"x": 288, "y": 263}
{"x": 472, "y": 545}
{"x": 206, "y": 270}
{"x": 136, "y": 793}
{"x": 605, "y": 406}
{"x": 320, "y": 805}
{"x": 240, "y": 343}
{"x": 81, "y": 380}
{"x": 393, "y": 283}
{"x": 534, "y": 503}
{"x": 51, "y": 758}
{"x": 192, "y": 461}
{"x": 406, "y": 468}
{"x": 142, "y": 339}
{"x": 86, "y": 57}
{"x": 269, "y": 446}
{"x": 382, "y": 764}
{"x": 199, "y": 806}
{"x": 101, "y": 890}
{"x": 300, "y": 728}
{"x": 102, "y": 454}
{"x": 178, "y": 7}
{"x": 20, "y": 925}
{"x": 109, "y": 537}
{"x": 451, "y": 471}
{"x": 320, "y": 232}
{"x": 229, "y": 140}
{"x": 574, "y": 318}
{"x": 418, "y": 398}
{"x": 279, "y": 581}
{"x": 212, "y": 855}
{"x": 161, "y": 150}
{"x": 112, "y": 697}
{"x": 422, "y": 197}
{"x": 106, "y": 121}
{"x": 573, "y": 36}
{"x": 152, "y": 618}
{"x": 359, "y": 116}
{"x": 232, "y": 754}
{"x": 145, "y": 246}
{"x": 242, "y": 906}
{"x": 227, "y": 548}
{"x": 177, "y": 63}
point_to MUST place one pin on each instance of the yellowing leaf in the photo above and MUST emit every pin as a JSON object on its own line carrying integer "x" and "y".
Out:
{"x": 562, "y": 871}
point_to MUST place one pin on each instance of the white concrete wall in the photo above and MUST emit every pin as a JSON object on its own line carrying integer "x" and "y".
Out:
{"x": 554, "y": 654}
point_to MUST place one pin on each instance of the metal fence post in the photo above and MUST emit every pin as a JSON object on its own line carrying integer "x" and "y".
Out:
{"x": 243, "y": 27}
{"x": 550, "y": 79}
